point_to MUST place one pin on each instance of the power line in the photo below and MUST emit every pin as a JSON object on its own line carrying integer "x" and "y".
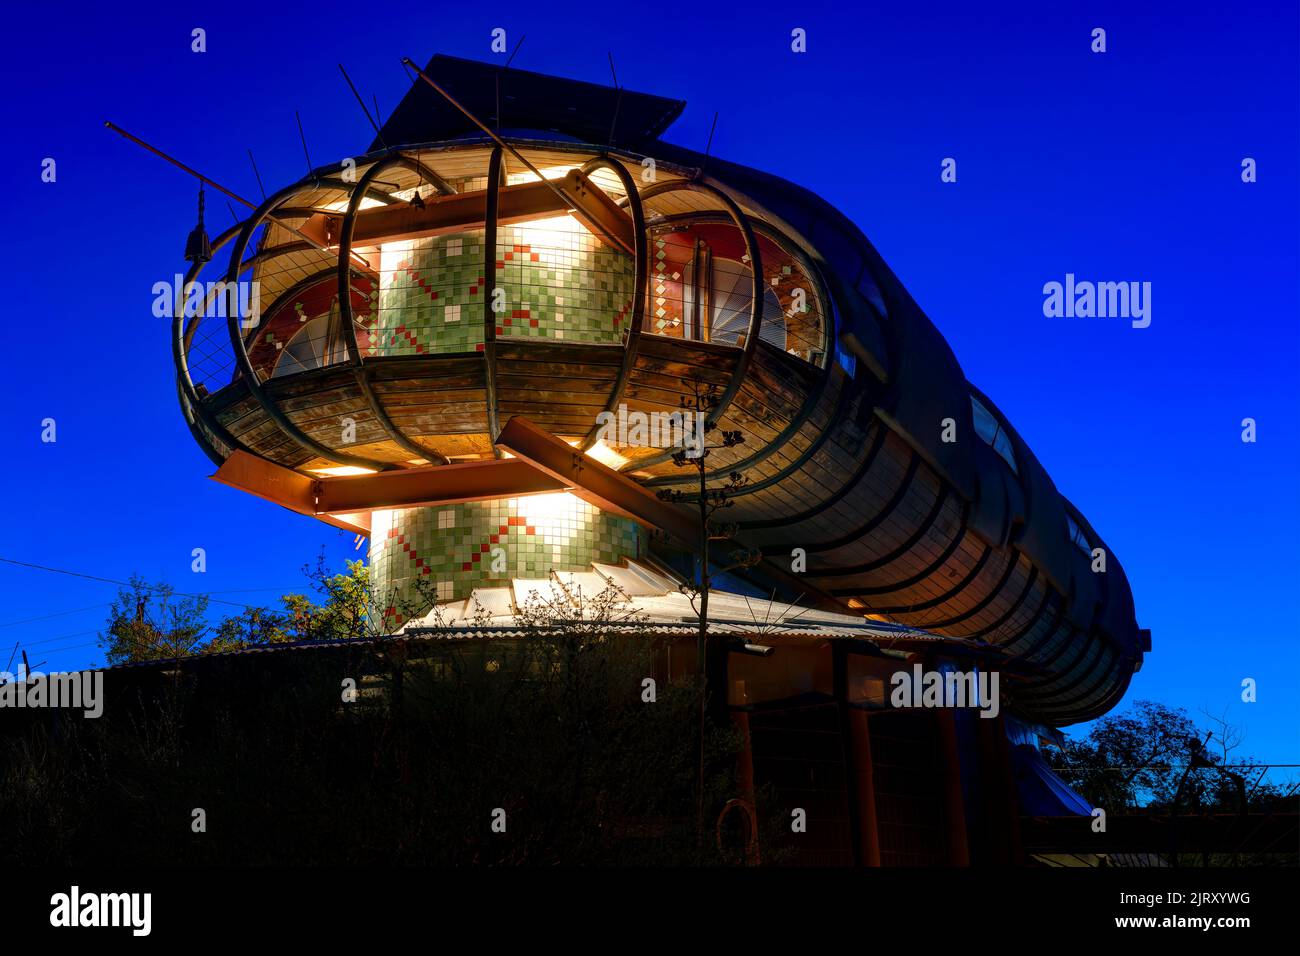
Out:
{"x": 125, "y": 584}
{"x": 46, "y": 617}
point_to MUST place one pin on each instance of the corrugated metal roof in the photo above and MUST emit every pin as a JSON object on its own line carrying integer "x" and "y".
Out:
{"x": 657, "y": 609}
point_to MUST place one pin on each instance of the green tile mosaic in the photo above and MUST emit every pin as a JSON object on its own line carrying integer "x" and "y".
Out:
{"x": 452, "y": 548}
{"x": 559, "y": 282}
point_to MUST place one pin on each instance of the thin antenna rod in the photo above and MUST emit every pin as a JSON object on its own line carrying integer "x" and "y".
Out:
{"x": 618, "y": 101}
{"x": 362, "y": 104}
{"x": 517, "y": 46}
{"x": 258, "y": 174}
{"x": 310, "y": 168}
{"x": 509, "y": 60}
{"x": 176, "y": 162}
{"x": 495, "y": 138}
{"x": 709, "y": 147}
{"x": 12, "y": 656}
{"x": 220, "y": 188}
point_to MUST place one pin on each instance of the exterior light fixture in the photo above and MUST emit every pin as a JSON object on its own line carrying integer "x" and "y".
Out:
{"x": 197, "y": 247}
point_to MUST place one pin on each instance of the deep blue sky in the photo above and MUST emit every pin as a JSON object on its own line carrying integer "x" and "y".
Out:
{"x": 1115, "y": 167}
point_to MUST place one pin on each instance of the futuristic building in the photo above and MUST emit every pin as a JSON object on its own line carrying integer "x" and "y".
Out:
{"x": 444, "y": 317}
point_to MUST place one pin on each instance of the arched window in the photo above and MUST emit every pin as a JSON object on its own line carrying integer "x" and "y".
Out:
{"x": 317, "y": 343}
{"x": 701, "y": 289}
{"x": 991, "y": 431}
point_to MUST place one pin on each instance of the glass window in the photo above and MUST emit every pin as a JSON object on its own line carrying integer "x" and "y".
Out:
{"x": 991, "y": 432}
{"x": 1077, "y": 537}
{"x": 701, "y": 288}
{"x": 848, "y": 361}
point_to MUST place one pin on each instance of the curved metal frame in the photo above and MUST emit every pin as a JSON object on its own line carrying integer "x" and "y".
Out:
{"x": 929, "y": 603}
{"x": 1016, "y": 605}
{"x": 883, "y": 514}
{"x": 496, "y": 171}
{"x": 360, "y": 368}
{"x": 640, "y": 277}
{"x": 811, "y": 400}
{"x": 930, "y": 569}
{"x": 1013, "y": 560}
{"x": 851, "y": 388}
{"x": 873, "y": 449}
{"x": 755, "y": 306}
{"x": 246, "y": 370}
{"x": 182, "y": 335}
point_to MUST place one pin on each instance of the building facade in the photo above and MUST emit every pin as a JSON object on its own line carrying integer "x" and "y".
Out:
{"x": 471, "y": 345}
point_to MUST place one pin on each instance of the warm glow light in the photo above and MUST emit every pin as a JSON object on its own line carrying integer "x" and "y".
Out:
{"x": 391, "y": 256}
{"x": 342, "y": 205}
{"x": 554, "y": 240}
{"x": 606, "y": 455}
{"x": 548, "y": 172}
{"x": 550, "y": 508}
{"x": 342, "y": 471}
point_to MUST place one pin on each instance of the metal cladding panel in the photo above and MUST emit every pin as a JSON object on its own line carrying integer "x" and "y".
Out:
{"x": 927, "y": 386}
{"x": 992, "y": 511}
{"x": 1042, "y": 535}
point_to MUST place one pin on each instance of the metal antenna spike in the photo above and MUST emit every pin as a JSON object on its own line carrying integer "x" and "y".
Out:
{"x": 257, "y": 174}
{"x": 522, "y": 37}
{"x": 484, "y": 127}
{"x": 509, "y": 60}
{"x": 709, "y": 147}
{"x": 301, "y": 135}
{"x": 618, "y": 101}
{"x": 362, "y": 103}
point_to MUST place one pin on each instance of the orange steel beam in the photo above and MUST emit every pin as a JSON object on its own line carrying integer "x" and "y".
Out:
{"x": 434, "y": 485}
{"x": 610, "y": 490}
{"x": 459, "y": 211}
{"x": 593, "y": 482}
{"x": 275, "y": 483}
{"x": 346, "y": 501}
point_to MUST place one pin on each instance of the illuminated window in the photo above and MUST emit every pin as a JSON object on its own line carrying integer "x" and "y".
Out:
{"x": 991, "y": 431}
{"x": 701, "y": 288}
{"x": 316, "y": 344}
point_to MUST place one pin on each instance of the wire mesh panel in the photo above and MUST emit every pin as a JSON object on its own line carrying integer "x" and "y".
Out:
{"x": 204, "y": 303}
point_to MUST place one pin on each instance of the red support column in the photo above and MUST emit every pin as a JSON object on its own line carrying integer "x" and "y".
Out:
{"x": 864, "y": 786}
{"x": 745, "y": 775}
{"x": 958, "y": 844}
